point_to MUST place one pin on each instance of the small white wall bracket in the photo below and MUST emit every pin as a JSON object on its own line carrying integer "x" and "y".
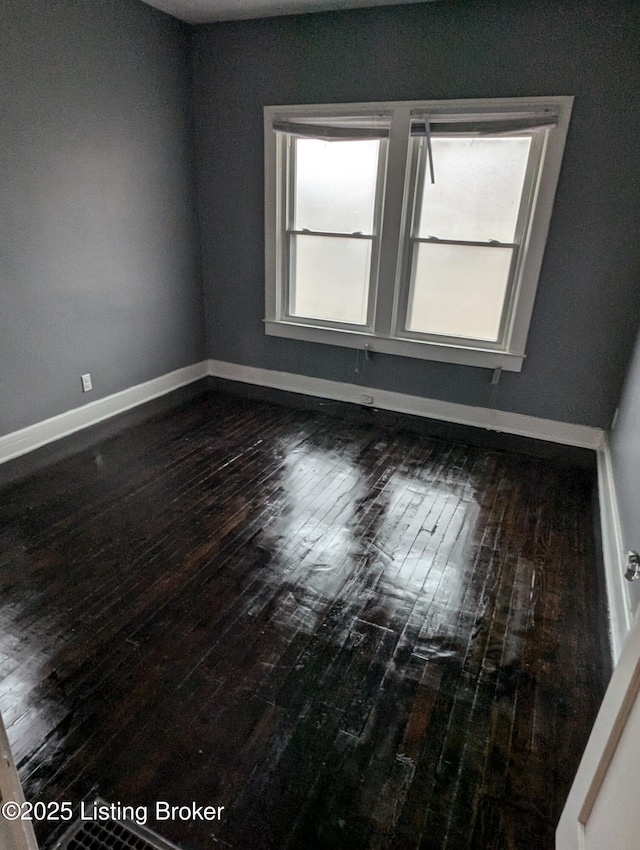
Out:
{"x": 633, "y": 566}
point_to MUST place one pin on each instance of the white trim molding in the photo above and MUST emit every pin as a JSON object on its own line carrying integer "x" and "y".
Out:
{"x": 598, "y": 764}
{"x": 401, "y": 132}
{"x": 401, "y": 347}
{"x": 34, "y": 436}
{"x": 582, "y": 436}
{"x": 41, "y": 433}
{"x": 619, "y": 599}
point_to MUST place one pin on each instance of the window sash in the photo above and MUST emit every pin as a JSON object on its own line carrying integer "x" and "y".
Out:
{"x": 417, "y": 173}
{"x": 452, "y": 339}
{"x": 324, "y": 321}
{"x": 288, "y": 175}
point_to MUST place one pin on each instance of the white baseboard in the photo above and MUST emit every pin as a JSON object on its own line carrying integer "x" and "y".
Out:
{"x": 27, "y": 439}
{"x": 478, "y": 417}
{"x": 620, "y": 609}
{"x": 34, "y": 436}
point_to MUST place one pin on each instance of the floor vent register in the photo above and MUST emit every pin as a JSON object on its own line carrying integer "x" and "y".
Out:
{"x": 110, "y": 834}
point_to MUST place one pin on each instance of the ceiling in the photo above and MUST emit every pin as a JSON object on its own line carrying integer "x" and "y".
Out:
{"x": 207, "y": 11}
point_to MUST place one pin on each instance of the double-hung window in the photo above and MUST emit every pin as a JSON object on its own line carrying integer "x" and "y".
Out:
{"x": 411, "y": 228}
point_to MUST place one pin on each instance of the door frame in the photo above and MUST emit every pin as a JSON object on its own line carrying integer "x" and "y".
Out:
{"x": 14, "y": 834}
{"x": 619, "y": 699}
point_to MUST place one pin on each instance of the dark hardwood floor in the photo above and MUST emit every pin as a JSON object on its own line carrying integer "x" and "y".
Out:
{"x": 347, "y": 635}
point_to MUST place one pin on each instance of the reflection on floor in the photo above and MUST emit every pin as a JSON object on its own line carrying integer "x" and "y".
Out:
{"x": 346, "y": 635}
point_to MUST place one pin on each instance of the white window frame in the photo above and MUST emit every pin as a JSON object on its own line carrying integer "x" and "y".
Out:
{"x": 385, "y": 331}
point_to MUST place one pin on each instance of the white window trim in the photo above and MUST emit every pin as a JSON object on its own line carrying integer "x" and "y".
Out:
{"x": 511, "y": 356}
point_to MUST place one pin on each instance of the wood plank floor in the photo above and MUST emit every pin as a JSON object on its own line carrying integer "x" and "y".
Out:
{"x": 348, "y": 636}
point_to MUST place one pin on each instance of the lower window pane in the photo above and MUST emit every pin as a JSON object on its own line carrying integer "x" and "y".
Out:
{"x": 458, "y": 290}
{"x": 330, "y": 278}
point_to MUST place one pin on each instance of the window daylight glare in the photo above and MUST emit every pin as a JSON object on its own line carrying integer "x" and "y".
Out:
{"x": 333, "y": 192}
{"x": 413, "y": 228}
{"x": 477, "y": 190}
{"x": 458, "y": 290}
{"x": 329, "y": 278}
{"x": 464, "y": 235}
{"x": 335, "y": 184}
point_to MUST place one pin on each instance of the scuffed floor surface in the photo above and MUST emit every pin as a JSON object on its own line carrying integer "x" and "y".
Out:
{"x": 348, "y": 636}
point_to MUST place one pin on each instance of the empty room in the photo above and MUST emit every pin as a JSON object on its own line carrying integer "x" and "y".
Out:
{"x": 319, "y": 442}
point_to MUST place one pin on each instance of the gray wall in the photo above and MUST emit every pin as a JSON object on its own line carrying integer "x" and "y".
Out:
{"x": 625, "y": 456}
{"x": 588, "y": 300}
{"x": 98, "y": 254}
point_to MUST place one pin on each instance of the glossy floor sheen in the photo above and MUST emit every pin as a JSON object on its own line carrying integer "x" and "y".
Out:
{"x": 348, "y": 636}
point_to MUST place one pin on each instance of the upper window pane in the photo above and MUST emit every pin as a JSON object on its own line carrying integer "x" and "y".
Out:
{"x": 476, "y": 196}
{"x": 335, "y": 185}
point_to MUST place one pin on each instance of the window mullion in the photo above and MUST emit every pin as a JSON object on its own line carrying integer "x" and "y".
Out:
{"x": 390, "y": 238}
{"x": 289, "y": 214}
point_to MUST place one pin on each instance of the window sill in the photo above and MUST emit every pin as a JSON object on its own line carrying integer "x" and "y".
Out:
{"x": 462, "y": 355}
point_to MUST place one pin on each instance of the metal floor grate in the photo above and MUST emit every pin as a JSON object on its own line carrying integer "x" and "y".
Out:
{"x": 111, "y": 835}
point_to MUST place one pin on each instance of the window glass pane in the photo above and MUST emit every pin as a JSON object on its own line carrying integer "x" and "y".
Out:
{"x": 330, "y": 278}
{"x": 458, "y": 290}
{"x": 335, "y": 185}
{"x": 476, "y": 196}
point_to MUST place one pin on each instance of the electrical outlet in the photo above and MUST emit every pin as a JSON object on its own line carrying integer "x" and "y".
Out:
{"x": 86, "y": 383}
{"x": 366, "y": 399}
